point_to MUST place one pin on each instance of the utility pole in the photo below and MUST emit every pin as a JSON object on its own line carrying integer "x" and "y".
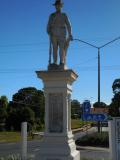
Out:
{"x": 98, "y": 48}
{"x": 99, "y": 85}
{"x": 98, "y": 75}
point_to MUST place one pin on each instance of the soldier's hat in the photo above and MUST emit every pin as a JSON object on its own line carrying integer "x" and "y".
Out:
{"x": 58, "y": 2}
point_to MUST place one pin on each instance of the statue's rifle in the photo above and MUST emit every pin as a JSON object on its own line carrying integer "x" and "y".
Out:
{"x": 50, "y": 50}
{"x": 50, "y": 47}
{"x": 66, "y": 46}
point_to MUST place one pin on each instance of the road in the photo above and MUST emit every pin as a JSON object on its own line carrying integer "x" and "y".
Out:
{"x": 33, "y": 148}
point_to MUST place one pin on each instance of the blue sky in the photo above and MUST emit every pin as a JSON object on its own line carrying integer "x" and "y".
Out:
{"x": 24, "y": 44}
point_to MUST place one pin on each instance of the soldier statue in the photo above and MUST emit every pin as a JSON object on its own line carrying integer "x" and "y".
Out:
{"x": 59, "y": 31}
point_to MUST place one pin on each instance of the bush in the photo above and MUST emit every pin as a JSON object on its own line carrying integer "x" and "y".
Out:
{"x": 95, "y": 139}
{"x": 13, "y": 157}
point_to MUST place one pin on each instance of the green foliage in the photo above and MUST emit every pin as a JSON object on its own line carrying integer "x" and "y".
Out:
{"x": 3, "y": 114}
{"x": 114, "y": 110}
{"x": 116, "y": 86}
{"x": 32, "y": 98}
{"x": 101, "y": 105}
{"x": 17, "y": 117}
{"x": 75, "y": 109}
{"x": 3, "y": 101}
{"x": 13, "y": 157}
{"x": 96, "y": 139}
{"x": 26, "y": 105}
{"x": 3, "y": 111}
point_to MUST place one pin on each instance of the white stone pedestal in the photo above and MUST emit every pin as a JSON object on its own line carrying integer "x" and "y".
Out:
{"x": 58, "y": 143}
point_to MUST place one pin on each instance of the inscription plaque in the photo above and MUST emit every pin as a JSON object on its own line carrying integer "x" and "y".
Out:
{"x": 55, "y": 112}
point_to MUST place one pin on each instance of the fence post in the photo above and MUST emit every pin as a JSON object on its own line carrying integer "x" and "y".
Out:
{"x": 24, "y": 140}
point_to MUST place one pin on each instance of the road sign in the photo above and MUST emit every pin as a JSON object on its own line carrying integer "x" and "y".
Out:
{"x": 86, "y": 106}
{"x": 94, "y": 117}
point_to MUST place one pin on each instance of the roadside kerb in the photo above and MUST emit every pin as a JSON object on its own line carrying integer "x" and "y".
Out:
{"x": 92, "y": 148}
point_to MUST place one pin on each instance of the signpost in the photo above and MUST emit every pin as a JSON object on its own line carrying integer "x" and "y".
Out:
{"x": 88, "y": 116}
{"x": 86, "y": 106}
{"x": 94, "y": 117}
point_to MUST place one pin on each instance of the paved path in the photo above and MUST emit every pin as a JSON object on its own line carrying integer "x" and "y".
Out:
{"x": 94, "y": 152}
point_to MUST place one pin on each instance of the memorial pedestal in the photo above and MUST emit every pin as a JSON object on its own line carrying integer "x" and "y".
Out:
{"x": 58, "y": 143}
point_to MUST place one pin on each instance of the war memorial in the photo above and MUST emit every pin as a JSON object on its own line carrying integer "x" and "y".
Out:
{"x": 58, "y": 142}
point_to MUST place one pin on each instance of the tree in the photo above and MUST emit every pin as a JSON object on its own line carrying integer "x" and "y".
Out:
{"x": 27, "y": 115}
{"x": 114, "y": 108}
{"x": 75, "y": 109}
{"x": 3, "y": 102}
{"x": 101, "y": 105}
{"x": 3, "y": 111}
{"x": 3, "y": 114}
{"x": 3, "y": 108}
{"x": 27, "y": 104}
{"x": 116, "y": 86}
{"x": 32, "y": 98}
{"x": 16, "y": 117}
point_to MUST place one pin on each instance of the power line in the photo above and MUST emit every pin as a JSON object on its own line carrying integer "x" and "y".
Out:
{"x": 22, "y": 44}
{"x": 110, "y": 42}
{"x": 47, "y": 42}
{"x": 34, "y": 50}
{"x": 94, "y": 68}
{"x": 31, "y": 71}
{"x": 89, "y": 60}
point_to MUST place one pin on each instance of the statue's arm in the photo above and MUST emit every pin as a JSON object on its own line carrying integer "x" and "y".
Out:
{"x": 68, "y": 25}
{"x": 49, "y": 25}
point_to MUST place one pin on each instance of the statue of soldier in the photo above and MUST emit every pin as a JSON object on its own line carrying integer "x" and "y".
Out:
{"x": 58, "y": 28}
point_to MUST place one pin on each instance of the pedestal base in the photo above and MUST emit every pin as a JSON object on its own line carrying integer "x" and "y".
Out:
{"x": 55, "y": 67}
{"x": 58, "y": 142}
{"x": 58, "y": 147}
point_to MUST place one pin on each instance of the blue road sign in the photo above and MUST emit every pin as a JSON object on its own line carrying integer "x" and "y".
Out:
{"x": 86, "y": 106}
{"x": 94, "y": 117}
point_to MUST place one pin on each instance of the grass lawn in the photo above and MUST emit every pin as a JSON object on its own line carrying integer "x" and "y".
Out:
{"x": 77, "y": 123}
{"x": 10, "y": 136}
{"x": 16, "y": 136}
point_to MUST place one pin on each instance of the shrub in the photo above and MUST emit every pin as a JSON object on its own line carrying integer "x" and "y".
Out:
{"x": 14, "y": 157}
{"x": 95, "y": 139}
{"x": 11, "y": 157}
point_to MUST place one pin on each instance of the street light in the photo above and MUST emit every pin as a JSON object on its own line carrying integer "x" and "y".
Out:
{"x": 106, "y": 44}
{"x": 98, "y": 48}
